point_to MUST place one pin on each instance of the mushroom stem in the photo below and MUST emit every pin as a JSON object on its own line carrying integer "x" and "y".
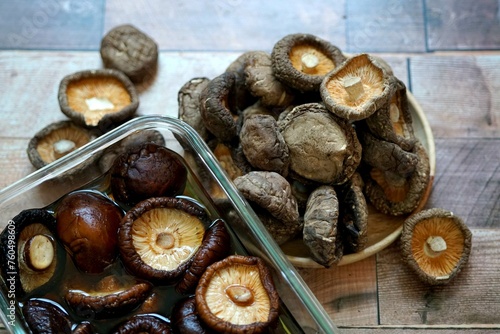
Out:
{"x": 165, "y": 240}
{"x": 39, "y": 252}
{"x": 435, "y": 245}
{"x": 240, "y": 295}
{"x": 99, "y": 103}
{"x": 394, "y": 112}
{"x": 309, "y": 61}
{"x": 353, "y": 87}
{"x": 63, "y": 146}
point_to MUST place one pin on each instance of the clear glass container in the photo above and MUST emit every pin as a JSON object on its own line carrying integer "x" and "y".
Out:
{"x": 84, "y": 168}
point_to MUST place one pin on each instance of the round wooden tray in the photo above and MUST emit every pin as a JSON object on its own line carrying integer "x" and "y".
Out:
{"x": 383, "y": 230}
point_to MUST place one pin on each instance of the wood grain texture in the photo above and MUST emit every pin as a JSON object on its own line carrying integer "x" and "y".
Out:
{"x": 14, "y": 162}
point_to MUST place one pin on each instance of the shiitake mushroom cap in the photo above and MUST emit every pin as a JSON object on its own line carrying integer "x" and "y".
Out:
{"x": 436, "y": 245}
{"x": 84, "y": 327}
{"x": 102, "y": 98}
{"x": 147, "y": 323}
{"x": 44, "y": 317}
{"x": 185, "y": 319}
{"x": 237, "y": 295}
{"x": 159, "y": 237}
{"x": 301, "y": 61}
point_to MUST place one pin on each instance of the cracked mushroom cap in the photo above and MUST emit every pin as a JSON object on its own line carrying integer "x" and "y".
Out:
{"x": 301, "y": 61}
{"x": 159, "y": 237}
{"x": 38, "y": 260}
{"x": 144, "y": 324}
{"x": 436, "y": 244}
{"x": 43, "y": 316}
{"x": 357, "y": 89}
{"x": 100, "y": 98}
{"x": 112, "y": 296}
{"x": 323, "y": 148}
{"x": 237, "y": 295}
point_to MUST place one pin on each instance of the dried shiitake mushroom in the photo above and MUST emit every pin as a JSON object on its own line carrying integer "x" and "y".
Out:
{"x": 263, "y": 144}
{"x": 321, "y": 230}
{"x": 301, "y": 61}
{"x": 185, "y": 319}
{"x": 188, "y": 100}
{"x": 237, "y": 295}
{"x": 159, "y": 237}
{"x": 131, "y": 51}
{"x": 46, "y": 317}
{"x": 100, "y": 98}
{"x": 145, "y": 171}
{"x": 436, "y": 244}
{"x": 357, "y": 88}
{"x": 87, "y": 224}
{"x": 29, "y": 248}
{"x": 242, "y": 96}
{"x": 112, "y": 296}
{"x": 232, "y": 160}
{"x": 323, "y": 148}
{"x": 55, "y": 141}
{"x": 143, "y": 324}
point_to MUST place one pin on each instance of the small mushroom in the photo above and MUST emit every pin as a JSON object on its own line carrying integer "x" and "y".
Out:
{"x": 46, "y": 317}
{"x": 278, "y": 230}
{"x": 144, "y": 324}
{"x": 357, "y": 89}
{"x": 112, "y": 296}
{"x": 242, "y": 96}
{"x": 127, "y": 49}
{"x": 237, "y": 295}
{"x": 188, "y": 100}
{"x": 301, "y": 61}
{"x": 436, "y": 245}
{"x": 29, "y": 249}
{"x": 215, "y": 246}
{"x": 84, "y": 327}
{"x": 323, "y": 148}
{"x": 159, "y": 237}
{"x": 263, "y": 144}
{"x": 149, "y": 170}
{"x": 87, "y": 224}
{"x": 55, "y": 141}
{"x": 185, "y": 319}
{"x": 321, "y": 230}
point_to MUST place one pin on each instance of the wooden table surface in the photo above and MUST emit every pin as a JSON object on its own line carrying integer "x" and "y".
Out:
{"x": 446, "y": 51}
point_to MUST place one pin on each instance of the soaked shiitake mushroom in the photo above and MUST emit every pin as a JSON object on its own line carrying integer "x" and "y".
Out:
{"x": 185, "y": 319}
{"x": 159, "y": 237}
{"x": 323, "y": 148}
{"x": 215, "y": 246}
{"x": 436, "y": 244}
{"x": 144, "y": 324}
{"x": 131, "y": 51}
{"x": 87, "y": 224}
{"x": 188, "y": 100}
{"x": 29, "y": 249}
{"x": 149, "y": 170}
{"x": 237, "y": 295}
{"x": 357, "y": 88}
{"x": 55, "y": 141}
{"x": 84, "y": 327}
{"x": 301, "y": 61}
{"x": 263, "y": 144}
{"x": 100, "y": 98}
{"x": 321, "y": 231}
{"x": 112, "y": 296}
{"x": 44, "y": 317}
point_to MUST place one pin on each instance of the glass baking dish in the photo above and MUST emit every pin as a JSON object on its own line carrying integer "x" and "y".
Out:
{"x": 82, "y": 169}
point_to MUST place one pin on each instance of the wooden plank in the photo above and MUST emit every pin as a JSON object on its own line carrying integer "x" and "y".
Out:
{"x": 467, "y": 180}
{"x": 385, "y": 26}
{"x": 348, "y": 293}
{"x": 472, "y": 298}
{"x": 457, "y": 93}
{"x": 51, "y": 24}
{"x": 462, "y": 25}
{"x": 14, "y": 162}
{"x": 233, "y": 25}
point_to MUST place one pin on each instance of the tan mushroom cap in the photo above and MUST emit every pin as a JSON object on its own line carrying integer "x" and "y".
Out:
{"x": 310, "y": 59}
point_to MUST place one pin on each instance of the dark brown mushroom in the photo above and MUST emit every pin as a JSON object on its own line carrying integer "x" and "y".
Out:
{"x": 55, "y": 141}
{"x": 144, "y": 324}
{"x": 127, "y": 49}
{"x": 46, "y": 317}
{"x": 149, "y": 170}
{"x": 112, "y": 296}
{"x": 100, "y": 98}
{"x": 321, "y": 231}
{"x": 185, "y": 319}
{"x": 215, "y": 246}
{"x": 301, "y": 61}
{"x": 357, "y": 88}
{"x": 323, "y": 148}
{"x": 436, "y": 245}
{"x": 159, "y": 237}
{"x": 263, "y": 144}
{"x": 84, "y": 327}
{"x": 188, "y": 100}
{"x": 29, "y": 249}
{"x": 87, "y": 224}
{"x": 237, "y": 295}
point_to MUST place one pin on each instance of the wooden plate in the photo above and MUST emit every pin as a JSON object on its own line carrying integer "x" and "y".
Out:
{"x": 383, "y": 230}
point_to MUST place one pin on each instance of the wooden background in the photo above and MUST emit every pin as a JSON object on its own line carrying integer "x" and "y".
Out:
{"x": 446, "y": 51}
